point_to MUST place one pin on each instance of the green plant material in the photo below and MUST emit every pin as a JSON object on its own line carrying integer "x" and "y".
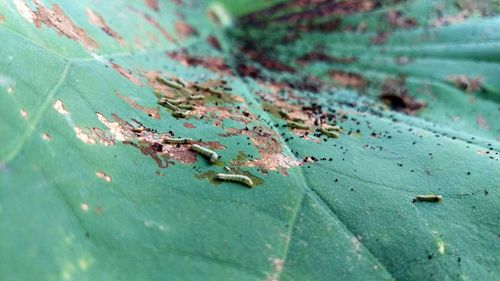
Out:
{"x": 90, "y": 191}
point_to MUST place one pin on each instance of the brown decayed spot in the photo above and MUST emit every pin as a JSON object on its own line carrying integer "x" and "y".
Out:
{"x": 451, "y": 19}
{"x": 98, "y": 20}
{"x": 188, "y": 125}
{"x": 149, "y": 141}
{"x": 127, "y": 74}
{"x": 468, "y": 84}
{"x": 482, "y": 123}
{"x": 322, "y": 57}
{"x": 212, "y": 40}
{"x": 270, "y": 149}
{"x": 2, "y": 18}
{"x": 155, "y": 24}
{"x": 93, "y": 136}
{"x": 380, "y": 38}
{"x": 152, "y": 4}
{"x": 151, "y": 112}
{"x": 185, "y": 30}
{"x": 347, "y": 79}
{"x": 307, "y": 11}
{"x": 397, "y": 19}
{"x": 23, "y": 113}
{"x": 56, "y": 19}
{"x": 245, "y": 70}
{"x": 395, "y": 95}
{"x": 265, "y": 61}
{"x": 215, "y": 64}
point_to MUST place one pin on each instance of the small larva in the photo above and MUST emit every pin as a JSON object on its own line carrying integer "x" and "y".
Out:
{"x": 197, "y": 97}
{"x": 216, "y": 92}
{"x": 428, "y": 198}
{"x": 180, "y": 114}
{"x": 169, "y": 83}
{"x": 331, "y": 128}
{"x": 295, "y": 125}
{"x": 176, "y": 101}
{"x": 166, "y": 139}
{"x": 284, "y": 114}
{"x": 181, "y": 82}
{"x": 139, "y": 129}
{"x": 186, "y": 106}
{"x": 328, "y": 133}
{"x": 166, "y": 103}
{"x": 235, "y": 178}
{"x": 211, "y": 155}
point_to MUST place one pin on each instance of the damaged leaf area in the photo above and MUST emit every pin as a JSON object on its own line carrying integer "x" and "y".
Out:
{"x": 249, "y": 140}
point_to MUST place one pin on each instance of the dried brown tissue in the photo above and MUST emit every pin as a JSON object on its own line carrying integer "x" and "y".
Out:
{"x": 269, "y": 148}
{"x": 146, "y": 140}
{"x": 56, "y": 19}
{"x": 152, "y": 112}
{"x": 98, "y": 20}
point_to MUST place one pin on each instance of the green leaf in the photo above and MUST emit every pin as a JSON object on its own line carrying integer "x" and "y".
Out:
{"x": 90, "y": 192}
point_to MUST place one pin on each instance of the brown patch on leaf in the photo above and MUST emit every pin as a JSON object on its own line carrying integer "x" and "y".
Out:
{"x": 395, "y": 95}
{"x": 2, "y": 18}
{"x": 97, "y": 20}
{"x": 185, "y": 30}
{"x": 93, "y": 136}
{"x": 468, "y": 84}
{"x": 151, "y": 112}
{"x": 397, "y": 19}
{"x": 152, "y": 4}
{"x": 270, "y": 149}
{"x": 56, "y": 19}
{"x": 348, "y": 79}
{"x": 149, "y": 142}
{"x": 188, "y": 125}
{"x": 265, "y": 61}
{"x": 451, "y": 19}
{"x": 322, "y": 57}
{"x": 380, "y": 38}
{"x": 215, "y": 64}
{"x": 212, "y": 40}
{"x": 155, "y": 24}
{"x": 482, "y": 123}
{"x": 127, "y": 74}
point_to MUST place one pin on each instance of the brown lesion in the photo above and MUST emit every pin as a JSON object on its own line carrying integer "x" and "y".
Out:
{"x": 397, "y": 19}
{"x": 467, "y": 83}
{"x": 97, "y": 20}
{"x": 151, "y": 112}
{"x": 214, "y": 64}
{"x": 322, "y": 57}
{"x": 185, "y": 30}
{"x": 56, "y": 19}
{"x": 147, "y": 140}
{"x": 127, "y": 73}
{"x": 269, "y": 147}
{"x": 348, "y": 79}
{"x": 152, "y": 4}
{"x": 396, "y": 96}
{"x": 153, "y": 22}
